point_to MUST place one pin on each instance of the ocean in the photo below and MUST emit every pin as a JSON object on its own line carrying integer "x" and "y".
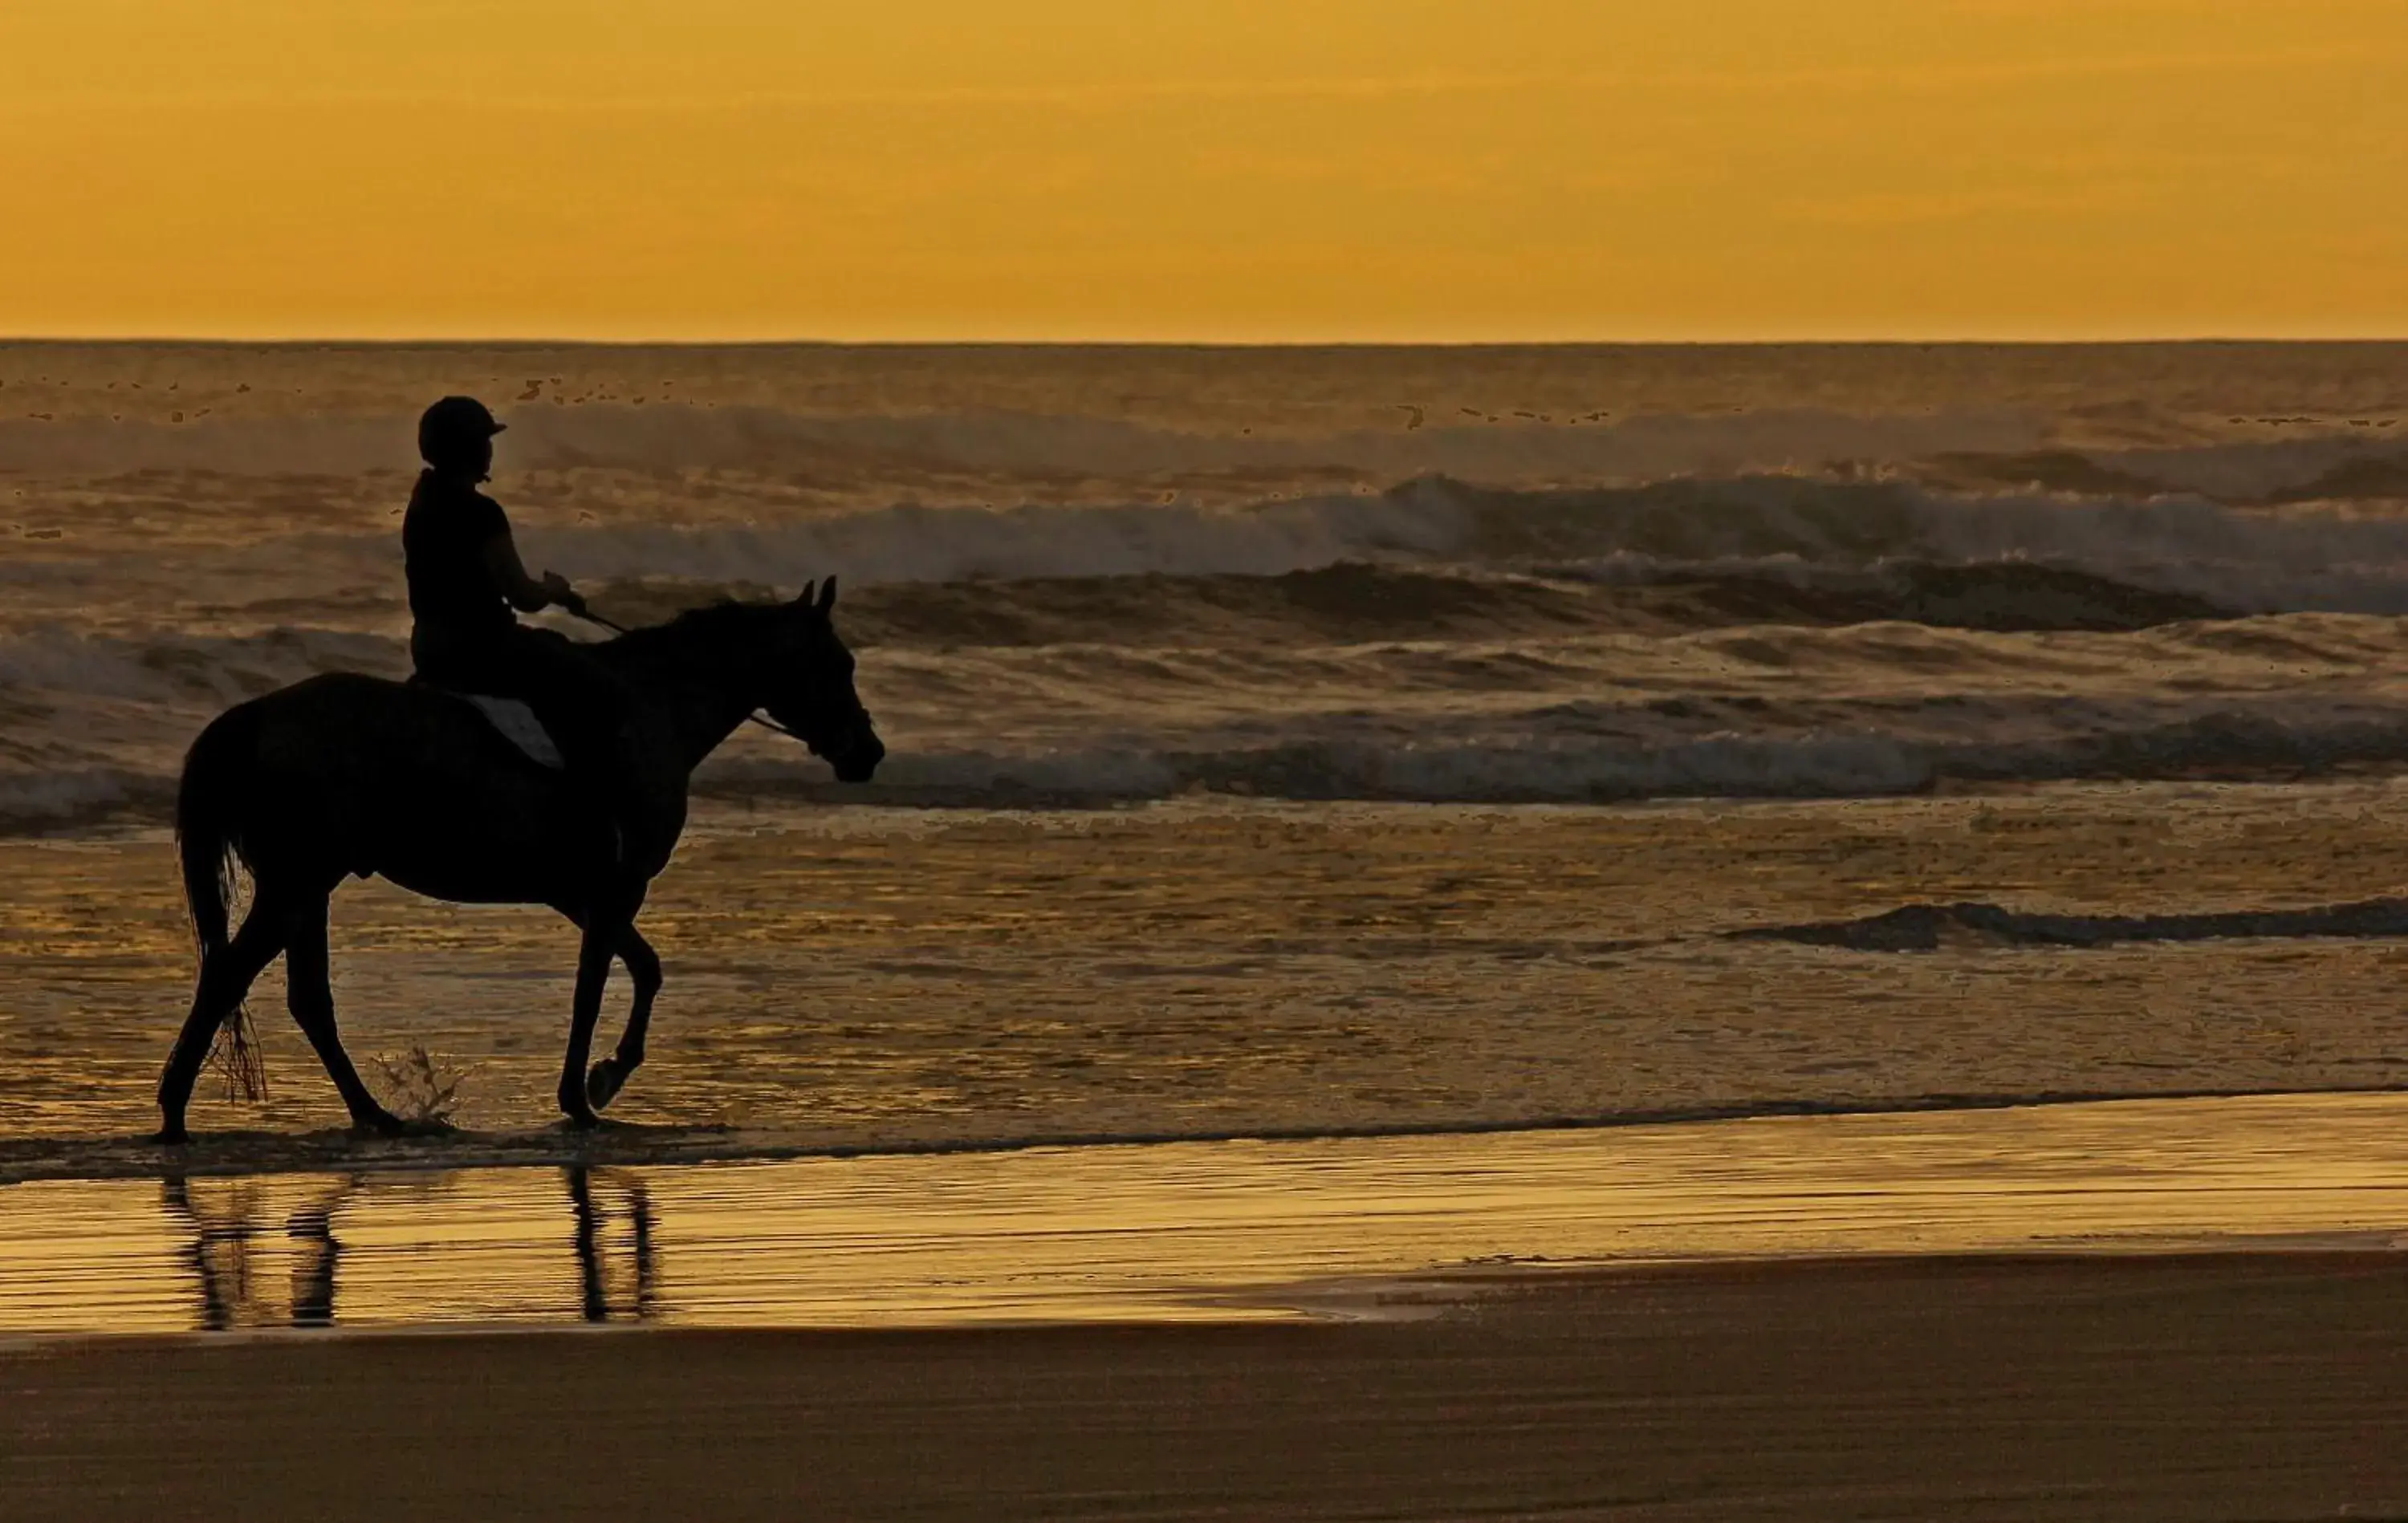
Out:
{"x": 1291, "y": 741}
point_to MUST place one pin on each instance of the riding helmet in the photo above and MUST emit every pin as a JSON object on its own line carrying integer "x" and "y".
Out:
{"x": 451, "y": 424}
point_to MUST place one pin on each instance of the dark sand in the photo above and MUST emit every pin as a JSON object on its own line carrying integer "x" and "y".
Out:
{"x": 2268, "y": 1385}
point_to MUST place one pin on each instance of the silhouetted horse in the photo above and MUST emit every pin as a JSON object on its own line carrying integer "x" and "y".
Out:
{"x": 345, "y": 774}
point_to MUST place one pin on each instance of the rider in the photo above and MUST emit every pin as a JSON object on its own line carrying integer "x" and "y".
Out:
{"x": 464, "y": 580}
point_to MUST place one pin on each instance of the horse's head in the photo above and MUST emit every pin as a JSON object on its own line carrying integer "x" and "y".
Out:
{"x": 812, "y": 694}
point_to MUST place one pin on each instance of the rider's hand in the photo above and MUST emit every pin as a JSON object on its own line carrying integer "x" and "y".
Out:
{"x": 556, "y": 588}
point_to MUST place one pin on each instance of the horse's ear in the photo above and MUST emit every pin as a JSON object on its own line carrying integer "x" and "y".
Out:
{"x": 827, "y": 594}
{"x": 805, "y": 601}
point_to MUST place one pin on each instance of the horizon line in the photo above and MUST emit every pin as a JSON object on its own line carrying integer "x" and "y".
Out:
{"x": 540, "y": 341}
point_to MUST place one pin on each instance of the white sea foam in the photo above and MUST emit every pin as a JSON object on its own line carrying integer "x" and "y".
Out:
{"x": 32, "y": 801}
{"x": 1849, "y": 763}
{"x": 2298, "y": 557}
{"x": 1766, "y": 711}
{"x": 2256, "y": 560}
{"x": 1845, "y": 591}
{"x": 2240, "y": 739}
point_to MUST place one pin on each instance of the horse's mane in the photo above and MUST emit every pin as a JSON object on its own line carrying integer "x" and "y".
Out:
{"x": 727, "y": 626}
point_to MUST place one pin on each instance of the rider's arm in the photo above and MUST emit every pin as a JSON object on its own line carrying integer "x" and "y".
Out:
{"x": 526, "y": 593}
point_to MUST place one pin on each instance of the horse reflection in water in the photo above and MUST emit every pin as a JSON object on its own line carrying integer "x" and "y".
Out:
{"x": 229, "y": 1250}
{"x": 224, "y": 1234}
{"x": 637, "y": 1298}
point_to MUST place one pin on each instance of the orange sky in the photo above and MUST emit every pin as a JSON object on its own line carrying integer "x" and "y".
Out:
{"x": 1204, "y": 169}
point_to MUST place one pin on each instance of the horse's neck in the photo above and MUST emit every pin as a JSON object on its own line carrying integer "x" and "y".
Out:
{"x": 694, "y": 692}
{"x": 699, "y": 719}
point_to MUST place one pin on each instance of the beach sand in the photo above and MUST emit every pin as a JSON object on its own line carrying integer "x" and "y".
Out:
{"x": 2166, "y": 1309}
{"x": 2198, "y": 1386}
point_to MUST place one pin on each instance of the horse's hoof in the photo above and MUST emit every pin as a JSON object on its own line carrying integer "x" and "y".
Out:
{"x": 174, "y": 1136}
{"x": 380, "y": 1124}
{"x": 574, "y": 1106}
{"x": 603, "y": 1082}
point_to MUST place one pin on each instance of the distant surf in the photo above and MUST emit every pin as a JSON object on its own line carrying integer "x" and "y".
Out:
{"x": 1084, "y": 577}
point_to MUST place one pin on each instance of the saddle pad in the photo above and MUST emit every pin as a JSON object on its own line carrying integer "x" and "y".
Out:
{"x": 520, "y": 727}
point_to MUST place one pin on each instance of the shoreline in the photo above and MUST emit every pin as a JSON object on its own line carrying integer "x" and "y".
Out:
{"x": 65, "y": 1159}
{"x": 1210, "y": 1230}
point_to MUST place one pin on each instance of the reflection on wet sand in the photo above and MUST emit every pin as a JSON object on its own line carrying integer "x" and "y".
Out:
{"x": 635, "y": 1297}
{"x": 226, "y": 1227}
{"x": 225, "y": 1223}
{"x": 1191, "y": 1231}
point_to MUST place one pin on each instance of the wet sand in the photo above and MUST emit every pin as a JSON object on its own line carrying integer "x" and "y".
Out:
{"x": 1210, "y": 1231}
{"x": 2192, "y": 1309}
{"x": 2212, "y": 1386}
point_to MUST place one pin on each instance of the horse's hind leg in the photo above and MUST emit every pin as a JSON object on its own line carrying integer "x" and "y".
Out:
{"x": 311, "y": 996}
{"x": 605, "y": 1079}
{"x": 226, "y": 976}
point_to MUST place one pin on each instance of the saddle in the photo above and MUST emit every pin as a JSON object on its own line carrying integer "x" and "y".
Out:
{"x": 512, "y": 719}
{"x": 516, "y": 723}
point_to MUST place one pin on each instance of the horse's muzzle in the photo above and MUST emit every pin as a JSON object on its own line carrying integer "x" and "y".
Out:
{"x": 857, "y": 763}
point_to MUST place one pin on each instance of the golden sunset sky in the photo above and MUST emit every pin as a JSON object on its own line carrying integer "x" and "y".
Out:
{"x": 1204, "y": 169}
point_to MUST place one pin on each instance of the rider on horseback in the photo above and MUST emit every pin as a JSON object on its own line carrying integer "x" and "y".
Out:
{"x": 465, "y": 578}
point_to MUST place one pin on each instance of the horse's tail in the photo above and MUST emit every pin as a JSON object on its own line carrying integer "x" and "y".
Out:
{"x": 208, "y": 839}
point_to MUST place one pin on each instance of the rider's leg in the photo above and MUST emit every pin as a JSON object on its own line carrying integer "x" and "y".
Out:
{"x": 585, "y": 705}
{"x": 581, "y": 704}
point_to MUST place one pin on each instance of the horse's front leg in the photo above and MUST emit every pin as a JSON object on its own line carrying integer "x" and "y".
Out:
{"x": 594, "y": 956}
{"x": 309, "y": 994}
{"x": 605, "y": 1079}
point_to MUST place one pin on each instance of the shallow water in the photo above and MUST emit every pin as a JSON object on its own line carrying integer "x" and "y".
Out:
{"x": 1217, "y": 1231}
{"x": 873, "y": 978}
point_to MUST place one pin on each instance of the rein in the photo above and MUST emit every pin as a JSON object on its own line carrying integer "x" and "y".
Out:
{"x": 577, "y": 607}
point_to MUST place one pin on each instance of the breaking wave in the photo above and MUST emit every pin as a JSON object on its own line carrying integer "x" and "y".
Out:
{"x": 1926, "y": 928}
{"x": 1350, "y": 601}
{"x": 1859, "y": 764}
{"x": 2252, "y": 559}
{"x": 1379, "y": 683}
{"x": 1800, "y": 602}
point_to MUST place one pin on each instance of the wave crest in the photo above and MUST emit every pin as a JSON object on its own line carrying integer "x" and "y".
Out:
{"x": 2247, "y": 559}
{"x": 1926, "y": 928}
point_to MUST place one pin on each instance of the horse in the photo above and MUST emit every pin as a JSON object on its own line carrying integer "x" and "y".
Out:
{"x": 344, "y": 775}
